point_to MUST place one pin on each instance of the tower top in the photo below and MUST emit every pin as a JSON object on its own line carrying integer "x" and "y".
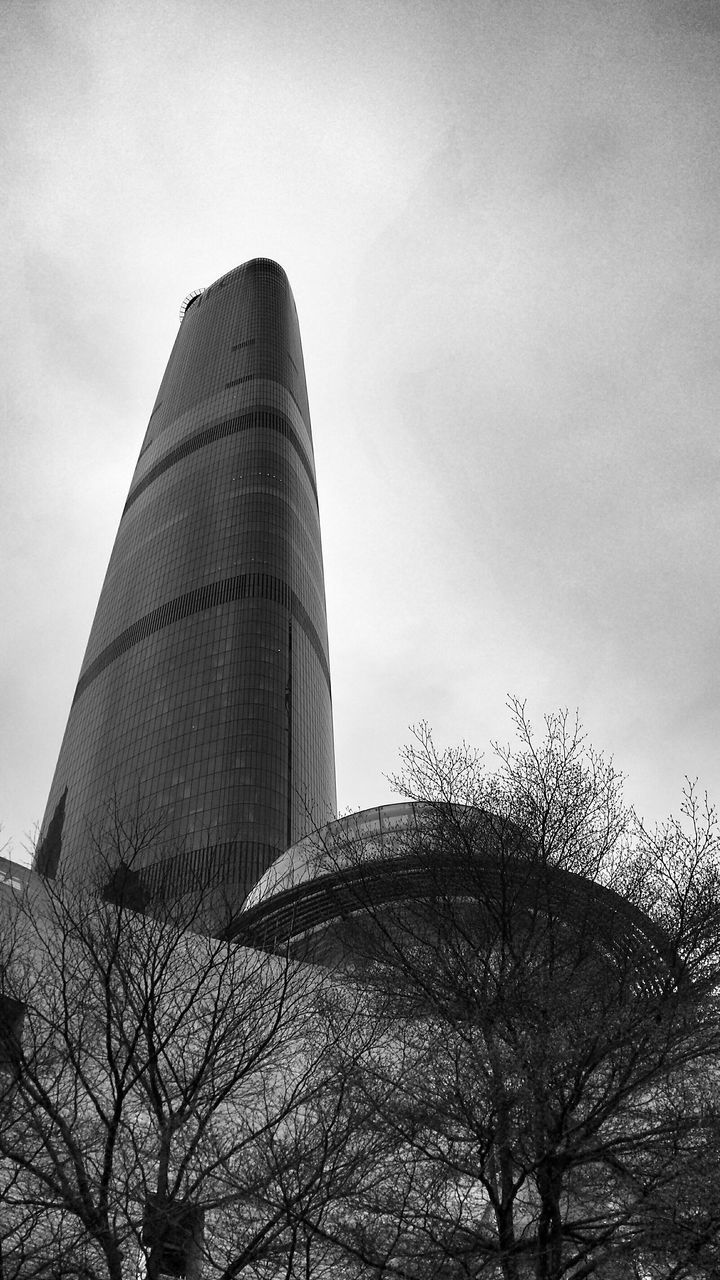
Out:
{"x": 267, "y": 265}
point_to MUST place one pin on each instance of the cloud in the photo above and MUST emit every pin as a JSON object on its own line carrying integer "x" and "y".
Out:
{"x": 500, "y": 223}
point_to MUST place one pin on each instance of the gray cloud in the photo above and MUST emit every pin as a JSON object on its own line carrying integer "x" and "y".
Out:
{"x": 500, "y": 222}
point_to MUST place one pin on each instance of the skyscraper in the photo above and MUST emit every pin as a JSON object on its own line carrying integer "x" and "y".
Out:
{"x": 204, "y": 696}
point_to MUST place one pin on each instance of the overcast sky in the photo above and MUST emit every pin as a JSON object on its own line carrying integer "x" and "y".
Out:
{"x": 500, "y": 224}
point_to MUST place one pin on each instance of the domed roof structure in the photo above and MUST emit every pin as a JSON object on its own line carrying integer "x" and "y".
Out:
{"x": 343, "y": 878}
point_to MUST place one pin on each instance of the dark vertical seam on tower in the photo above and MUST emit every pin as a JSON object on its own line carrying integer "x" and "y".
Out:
{"x": 288, "y": 708}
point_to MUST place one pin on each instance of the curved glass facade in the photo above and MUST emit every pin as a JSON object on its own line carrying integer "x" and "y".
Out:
{"x": 344, "y": 890}
{"x": 204, "y": 696}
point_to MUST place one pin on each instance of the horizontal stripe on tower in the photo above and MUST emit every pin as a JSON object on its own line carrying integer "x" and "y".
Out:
{"x": 263, "y": 419}
{"x": 245, "y": 586}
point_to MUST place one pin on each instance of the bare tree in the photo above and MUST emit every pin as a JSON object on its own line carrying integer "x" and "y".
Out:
{"x": 511, "y": 1074}
{"x": 159, "y": 1087}
{"x": 545, "y": 971}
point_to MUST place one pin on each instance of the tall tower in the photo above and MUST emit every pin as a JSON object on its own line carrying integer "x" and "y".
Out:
{"x": 204, "y": 695}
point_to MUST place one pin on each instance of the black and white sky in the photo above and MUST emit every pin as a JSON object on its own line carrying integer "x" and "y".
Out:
{"x": 500, "y": 222}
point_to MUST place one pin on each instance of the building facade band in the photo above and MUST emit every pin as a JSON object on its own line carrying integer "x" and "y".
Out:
{"x": 203, "y": 708}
